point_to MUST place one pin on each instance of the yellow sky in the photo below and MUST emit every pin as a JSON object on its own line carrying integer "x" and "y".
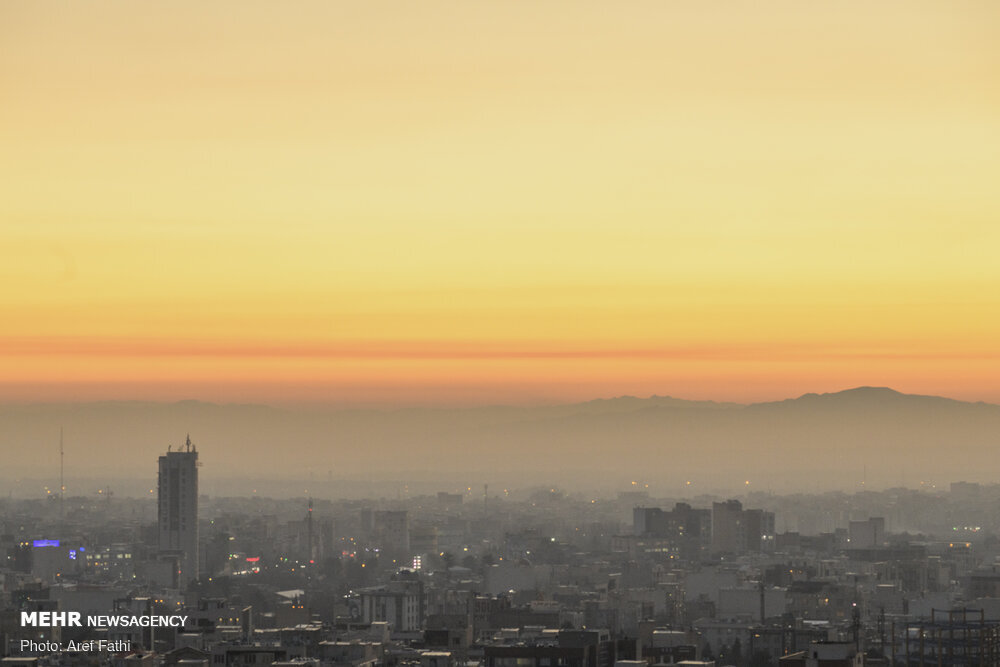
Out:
{"x": 467, "y": 202}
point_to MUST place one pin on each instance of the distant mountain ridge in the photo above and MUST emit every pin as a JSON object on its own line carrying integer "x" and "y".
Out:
{"x": 622, "y": 403}
{"x": 872, "y": 396}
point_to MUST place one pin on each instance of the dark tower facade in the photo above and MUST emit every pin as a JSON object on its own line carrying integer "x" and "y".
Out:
{"x": 178, "y": 509}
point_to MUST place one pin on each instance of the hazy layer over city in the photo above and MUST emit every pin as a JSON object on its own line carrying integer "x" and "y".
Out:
{"x": 871, "y": 438}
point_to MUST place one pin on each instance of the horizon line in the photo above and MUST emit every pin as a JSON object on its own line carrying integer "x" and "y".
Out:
{"x": 444, "y": 405}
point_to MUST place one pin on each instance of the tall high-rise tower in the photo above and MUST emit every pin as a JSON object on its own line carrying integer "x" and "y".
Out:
{"x": 178, "y": 515}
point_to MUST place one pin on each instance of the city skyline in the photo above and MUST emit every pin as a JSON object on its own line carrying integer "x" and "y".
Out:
{"x": 475, "y": 205}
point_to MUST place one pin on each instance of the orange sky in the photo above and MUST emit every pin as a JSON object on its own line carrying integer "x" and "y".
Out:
{"x": 455, "y": 202}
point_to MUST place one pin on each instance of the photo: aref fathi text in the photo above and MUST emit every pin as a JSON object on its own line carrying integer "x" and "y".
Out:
{"x": 86, "y": 646}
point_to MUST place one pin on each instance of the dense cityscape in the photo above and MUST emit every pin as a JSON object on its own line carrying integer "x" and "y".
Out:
{"x": 499, "y": 334}
{"x": 502, "y": 577}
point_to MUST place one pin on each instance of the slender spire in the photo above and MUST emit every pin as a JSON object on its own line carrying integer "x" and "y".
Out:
{"x": 62, "y": 478}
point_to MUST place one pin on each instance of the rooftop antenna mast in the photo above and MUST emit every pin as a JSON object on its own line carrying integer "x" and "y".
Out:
{"x": 62, "y": 479}
{"x": 309, "y": 553}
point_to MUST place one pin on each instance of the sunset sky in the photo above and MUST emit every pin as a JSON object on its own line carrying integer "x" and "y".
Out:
{"x": 369, "y": 203}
